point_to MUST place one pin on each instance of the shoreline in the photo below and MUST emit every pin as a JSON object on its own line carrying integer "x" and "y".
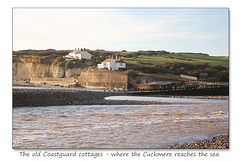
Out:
{"x": 216, "y": 142}
{"x": 55, "y": 97}
{"x": 27, "y": 97}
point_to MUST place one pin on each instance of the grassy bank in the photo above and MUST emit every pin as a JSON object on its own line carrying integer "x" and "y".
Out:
{"x": 148, "y": 61}
{"x": 159, "y": 64}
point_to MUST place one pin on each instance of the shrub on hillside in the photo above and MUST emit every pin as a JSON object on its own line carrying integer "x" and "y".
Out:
{"x": 131, "y": 73}
{"x": 59, "y": 61}
{"x": 72, "y": 64}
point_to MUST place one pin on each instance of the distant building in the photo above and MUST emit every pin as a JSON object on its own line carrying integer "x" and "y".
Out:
{"x": 113, "y": 64}
{"x": 203, "y": 76}
{"x": 144, "y": 79}
{"x": 79, "y": 54}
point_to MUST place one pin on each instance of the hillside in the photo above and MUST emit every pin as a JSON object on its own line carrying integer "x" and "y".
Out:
{"x": 159, "y": 64}
{"x": 148, "y": 61}
{"x": 141, "y": 58}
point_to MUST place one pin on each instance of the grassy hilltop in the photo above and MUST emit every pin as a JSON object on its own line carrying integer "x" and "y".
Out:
{"x": 162, "y": 64}
{"x": 148, "y": 61}
{"x": 159, "y": 64}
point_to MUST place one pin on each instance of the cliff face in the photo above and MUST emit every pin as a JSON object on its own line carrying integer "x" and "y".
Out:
{"x": 31, "y": 68}
{"x": 73, "y": 71}
{"x": 21, "y": 70}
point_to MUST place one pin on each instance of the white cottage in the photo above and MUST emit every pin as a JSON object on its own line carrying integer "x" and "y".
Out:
{"x": 78, "y": 54}
{"x": 113, "y": 64}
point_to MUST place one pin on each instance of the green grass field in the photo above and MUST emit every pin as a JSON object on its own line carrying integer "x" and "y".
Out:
{"x": 165, "y": 76}
{"x": 196, "y": 59}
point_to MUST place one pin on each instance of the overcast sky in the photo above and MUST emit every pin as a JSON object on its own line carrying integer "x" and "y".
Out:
{"x": 175, "y": 30}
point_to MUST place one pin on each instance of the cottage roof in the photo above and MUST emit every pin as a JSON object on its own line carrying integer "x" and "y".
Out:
{"x": 107, "y": 60}
{"x": 117, "y": 60}
{"x": 79, "y": 52}
{"x": 84, "y": 52}
{"x": 76, "y": 51}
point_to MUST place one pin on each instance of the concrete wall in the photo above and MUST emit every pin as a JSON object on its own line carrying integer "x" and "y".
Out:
{"x": 103, "y": 79}
{"x": 188, "y": 77}
{"x": 67, "y": 80}
{"x": 54, "y": 81}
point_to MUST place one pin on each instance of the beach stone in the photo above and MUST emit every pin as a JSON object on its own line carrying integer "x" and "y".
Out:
{"x": 219, "y": 142}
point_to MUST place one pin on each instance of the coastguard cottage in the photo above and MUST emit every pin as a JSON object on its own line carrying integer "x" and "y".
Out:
{"x": 113, "y": 64}
{"x": 79, "y": 54}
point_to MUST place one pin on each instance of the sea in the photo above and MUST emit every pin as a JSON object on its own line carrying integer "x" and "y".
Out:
{"x": 175, "y": 122}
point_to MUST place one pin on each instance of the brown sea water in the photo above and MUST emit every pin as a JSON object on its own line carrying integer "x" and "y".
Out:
{"x": 120, "y": 126}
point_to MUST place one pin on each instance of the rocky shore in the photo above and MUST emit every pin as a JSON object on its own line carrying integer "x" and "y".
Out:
{"x": 204, "y": 97}
{"x": 28, "y": 97}
{"x": 54, "y": 97}
{"x": 219, "y": 142}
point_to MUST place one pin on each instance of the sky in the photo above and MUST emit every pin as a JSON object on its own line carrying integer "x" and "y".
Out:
{"x": 198, "y": 30}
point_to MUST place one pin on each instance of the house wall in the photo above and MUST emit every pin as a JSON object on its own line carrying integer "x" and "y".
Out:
{"x": 104, "y": 65}
{"x": 80, "y": 55}
{"x": 72, "y": 54}
{"x": 100, "y": 65}
{"x": 85, "y": 55}
{"x": 120, "y": 65}
{"x": 112, "y": 65}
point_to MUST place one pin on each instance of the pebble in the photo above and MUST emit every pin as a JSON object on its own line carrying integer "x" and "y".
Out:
{"x": 53, "y": 97}
{"x": 219, "y": 142}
